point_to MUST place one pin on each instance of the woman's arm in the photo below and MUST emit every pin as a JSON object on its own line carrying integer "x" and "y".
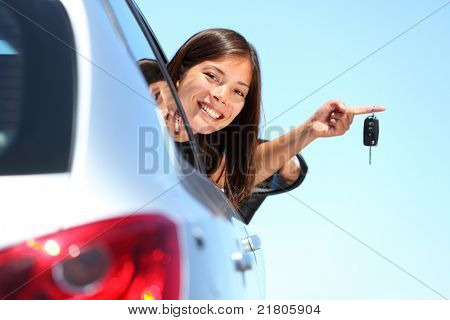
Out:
{"x": 272, "y": 155}
{"x": 330, "y": 120}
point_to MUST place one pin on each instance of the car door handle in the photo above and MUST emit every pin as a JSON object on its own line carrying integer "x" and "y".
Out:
{"x": 242, "y": 261}
{"x": 251, "y": 243}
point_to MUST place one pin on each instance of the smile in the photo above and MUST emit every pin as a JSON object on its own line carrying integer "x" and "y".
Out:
{"x": 210, "y": 112}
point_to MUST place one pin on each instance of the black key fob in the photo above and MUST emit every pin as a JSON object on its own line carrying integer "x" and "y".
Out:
{"x": 371, "y": 130}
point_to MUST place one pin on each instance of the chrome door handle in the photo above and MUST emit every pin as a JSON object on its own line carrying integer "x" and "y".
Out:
{"x": 251, "y": 243}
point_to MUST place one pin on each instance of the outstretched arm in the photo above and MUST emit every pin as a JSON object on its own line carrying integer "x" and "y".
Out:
{"x": 332, "y": 119}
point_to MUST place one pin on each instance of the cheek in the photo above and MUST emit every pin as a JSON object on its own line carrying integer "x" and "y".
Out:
{"x": 237, "y": 108}
{"x": 190, "y": 91}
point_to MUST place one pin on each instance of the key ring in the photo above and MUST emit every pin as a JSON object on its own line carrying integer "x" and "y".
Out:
{"x": 373, "y": 111}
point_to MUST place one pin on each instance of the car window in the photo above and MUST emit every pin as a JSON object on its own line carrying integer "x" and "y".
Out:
{"x": 37, "y": 87}
{"x": 153, "y": 67}
{"x": 151, "y": 63}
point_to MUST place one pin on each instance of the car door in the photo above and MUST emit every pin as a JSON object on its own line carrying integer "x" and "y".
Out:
{"x": 195, "y": 182}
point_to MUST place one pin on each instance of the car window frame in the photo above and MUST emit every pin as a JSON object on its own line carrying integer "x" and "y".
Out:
{"x": 162, "y": 59}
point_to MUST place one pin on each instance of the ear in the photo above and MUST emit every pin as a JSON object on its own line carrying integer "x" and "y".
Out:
{"x": 177, "y": 84}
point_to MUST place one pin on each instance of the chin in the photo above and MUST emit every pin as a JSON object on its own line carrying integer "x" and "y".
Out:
{"x": 207, "y": 130}
{"x": 199, "y": 126}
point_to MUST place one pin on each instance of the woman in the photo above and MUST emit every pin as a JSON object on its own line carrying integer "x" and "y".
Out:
{"x": 217, "y": 76}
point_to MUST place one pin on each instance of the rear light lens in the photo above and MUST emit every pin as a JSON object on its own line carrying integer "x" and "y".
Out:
{"x": 136, "y": 257}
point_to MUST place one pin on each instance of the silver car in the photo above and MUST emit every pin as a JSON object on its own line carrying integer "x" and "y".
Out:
{"x": 96, "y": 200}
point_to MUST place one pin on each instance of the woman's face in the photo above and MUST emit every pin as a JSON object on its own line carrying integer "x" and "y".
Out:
{"x": 213, "y": 92}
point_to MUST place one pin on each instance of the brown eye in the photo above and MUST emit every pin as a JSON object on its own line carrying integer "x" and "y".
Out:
{"x": 212, "y": 76}
{"x": 239, "y": 93}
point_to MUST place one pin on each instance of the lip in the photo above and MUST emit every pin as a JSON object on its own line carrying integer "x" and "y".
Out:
{"x": 206, "y": 115}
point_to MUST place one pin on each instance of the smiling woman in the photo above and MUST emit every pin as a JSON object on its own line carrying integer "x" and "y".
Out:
{"x": 217, "y": 76}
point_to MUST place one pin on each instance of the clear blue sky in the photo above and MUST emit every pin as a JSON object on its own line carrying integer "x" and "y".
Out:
{"x": 399, "y": 206}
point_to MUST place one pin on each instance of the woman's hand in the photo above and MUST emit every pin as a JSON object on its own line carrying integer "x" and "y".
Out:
{"x": 333, "y": 118}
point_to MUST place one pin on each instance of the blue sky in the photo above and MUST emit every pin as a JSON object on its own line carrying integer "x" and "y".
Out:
{"x": 350, "y": 231}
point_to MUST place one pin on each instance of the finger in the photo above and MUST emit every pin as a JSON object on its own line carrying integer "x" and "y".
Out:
{"x": 337, "y": 105}
{"x": 342, "y": 117}
{"x": 366, "y": 109}
{"x": 348, "y": 114}
{"x": 341, "y": 128}
{"x": 344, "y": 122}
{"x": 337, "y": 115}
{"x": 350, "y": 118}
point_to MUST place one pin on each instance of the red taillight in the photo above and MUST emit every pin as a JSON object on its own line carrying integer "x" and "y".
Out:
{"x": 136, "y": 257}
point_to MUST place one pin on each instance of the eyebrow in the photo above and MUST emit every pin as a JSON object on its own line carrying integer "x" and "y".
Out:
{"x": 223, "y": 73}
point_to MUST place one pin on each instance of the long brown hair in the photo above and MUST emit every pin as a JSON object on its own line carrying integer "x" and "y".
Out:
{"x": 237, "y": 141}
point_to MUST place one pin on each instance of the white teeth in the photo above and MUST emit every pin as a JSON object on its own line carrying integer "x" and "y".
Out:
{"x": 210, "y": 112}
{"x": 177, "y": 123}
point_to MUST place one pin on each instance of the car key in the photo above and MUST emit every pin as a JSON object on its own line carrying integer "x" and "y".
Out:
{"x": 371, "y": 131}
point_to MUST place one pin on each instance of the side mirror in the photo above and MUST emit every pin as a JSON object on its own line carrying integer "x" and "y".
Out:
{"x": 286, "y": 179}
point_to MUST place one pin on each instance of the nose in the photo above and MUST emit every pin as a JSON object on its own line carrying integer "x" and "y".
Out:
{"x": 219, "y": 94}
